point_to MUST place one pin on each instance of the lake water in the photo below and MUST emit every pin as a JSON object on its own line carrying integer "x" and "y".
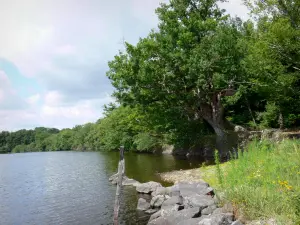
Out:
{"x": 72, "y": 188}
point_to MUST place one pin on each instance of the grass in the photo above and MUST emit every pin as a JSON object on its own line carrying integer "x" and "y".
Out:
{"x": 263, "y": 183}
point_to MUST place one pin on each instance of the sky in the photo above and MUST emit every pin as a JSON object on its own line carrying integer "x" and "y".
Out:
{"x": 54, "y": 55}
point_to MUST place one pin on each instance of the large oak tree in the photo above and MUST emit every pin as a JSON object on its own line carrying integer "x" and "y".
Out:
{"x": 189, "y": 64}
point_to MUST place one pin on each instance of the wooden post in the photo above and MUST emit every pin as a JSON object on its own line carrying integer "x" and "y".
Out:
{"x": 121, "y": 171}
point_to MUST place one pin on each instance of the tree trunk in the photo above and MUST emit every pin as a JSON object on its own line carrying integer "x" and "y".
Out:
{"x": 221, "y": 137}
{"x": 214, "y": 115}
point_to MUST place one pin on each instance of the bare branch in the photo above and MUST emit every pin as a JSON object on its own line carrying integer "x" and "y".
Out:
{"x": 296, "y": 68}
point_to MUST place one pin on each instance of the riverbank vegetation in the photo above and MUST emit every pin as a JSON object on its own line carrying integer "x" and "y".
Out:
{"x": 264, "y": 182}
{"x": 200, "y": 72}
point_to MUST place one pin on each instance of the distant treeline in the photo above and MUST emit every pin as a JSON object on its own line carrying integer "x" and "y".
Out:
{"x": 200, "y": 72}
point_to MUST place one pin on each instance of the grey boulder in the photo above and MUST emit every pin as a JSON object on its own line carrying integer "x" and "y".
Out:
{"x": 183, "y": 215}
{"x": 176, "y": 217}
{"x": 143, "y": 205}
{"x": 155, "y": 215}
{"x": 148, "y": 187}
{"x": 168, "y": 210}
{"x": 199, "y": 201}
{"x": 160, "y": 191}
{"x": 193, "y": 188}
{"x": 157, "y": 201}
{"x": 175, "y": 200}
{"x": 217, "y": 219}
{"x": 114, "y": 178}
{"x": 208, "y": 210}
{"x": 173, "y": 191}
{"x": 151, "y": 211}
{"x": 125, "y": 181}
{"x": 159, "y": 221}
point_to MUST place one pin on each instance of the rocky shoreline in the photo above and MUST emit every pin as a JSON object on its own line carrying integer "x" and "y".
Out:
{"x": 183, "y": 203}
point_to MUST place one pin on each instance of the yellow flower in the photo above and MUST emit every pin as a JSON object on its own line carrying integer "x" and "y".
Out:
{"x": 289, "y": 187}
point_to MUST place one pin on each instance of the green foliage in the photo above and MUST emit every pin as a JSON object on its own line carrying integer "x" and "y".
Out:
{"x": 272, "y": 59}
{"x": 128, "y": 127}
{"x": 19, "y": 149}
{"x": 146, "y": 142}
{"x": 270, "y": 116}
{"x": 264, "y": 182}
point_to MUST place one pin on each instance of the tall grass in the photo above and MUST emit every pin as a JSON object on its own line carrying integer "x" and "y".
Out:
{"x": 264, "y": 182}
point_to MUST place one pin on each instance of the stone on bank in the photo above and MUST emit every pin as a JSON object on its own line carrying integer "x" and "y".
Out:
{"x": 148, "y": 188}
{"x": 185, "y": 203}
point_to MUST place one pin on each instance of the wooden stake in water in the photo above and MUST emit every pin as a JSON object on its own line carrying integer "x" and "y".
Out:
{"x": 121, "y": 170}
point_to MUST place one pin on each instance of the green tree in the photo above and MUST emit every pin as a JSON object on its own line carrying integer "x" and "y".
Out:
{"x": 189, "y": 65}
{"x": 65, "y": 140}
{"x": 273, "y": 59}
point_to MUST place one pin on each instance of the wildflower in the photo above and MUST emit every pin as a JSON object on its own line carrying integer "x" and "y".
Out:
{"x": 288, "y": 187}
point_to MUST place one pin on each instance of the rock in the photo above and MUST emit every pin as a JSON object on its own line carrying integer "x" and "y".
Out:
{"x": 217, "y": 219}
{"x": 155, "y": 215}
{"x": 208, "y": 210}
{"x": 176, "y": 217}
{"x": 159, "y": 221}
{"x": 113, "y": 177}
{"x": 199, "y": 201}
{"x": 167, "y": 149}
{"x": 183, "y": 215}
{"x": 240, "y": 129}
{"x": 199, "y": 188}
{"x": 167, "y": 210}
{"x": 173, "y": 191}
{"x": 237, "y": 223}
{"x": 217, "y": 211}
{"x": 159, "y": 191}
{"x": 175, "y": 200}
{"x": 193, "y": 221}
{"x": 143, "y": 205}
{"x": 227, "y": 208}
{"x": 151, "y": 211}
{"x": 157, "y": 201}
{"x": 126, "y": 181}
{"x": 130, "y": 182}
{"x": 148, "y": 187}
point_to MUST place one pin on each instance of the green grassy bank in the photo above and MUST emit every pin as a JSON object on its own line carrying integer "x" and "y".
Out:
{"x": 263, "y": 183}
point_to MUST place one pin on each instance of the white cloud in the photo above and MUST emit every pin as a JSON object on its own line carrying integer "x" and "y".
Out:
{"x": 53, "y": 98}
{"x": 65, "y": 46}
{"x": 50, "y": 115}
{"x": 68, "y": 115}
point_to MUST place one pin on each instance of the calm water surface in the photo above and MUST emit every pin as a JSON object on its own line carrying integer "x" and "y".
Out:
{"x": 72, "y": 188}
